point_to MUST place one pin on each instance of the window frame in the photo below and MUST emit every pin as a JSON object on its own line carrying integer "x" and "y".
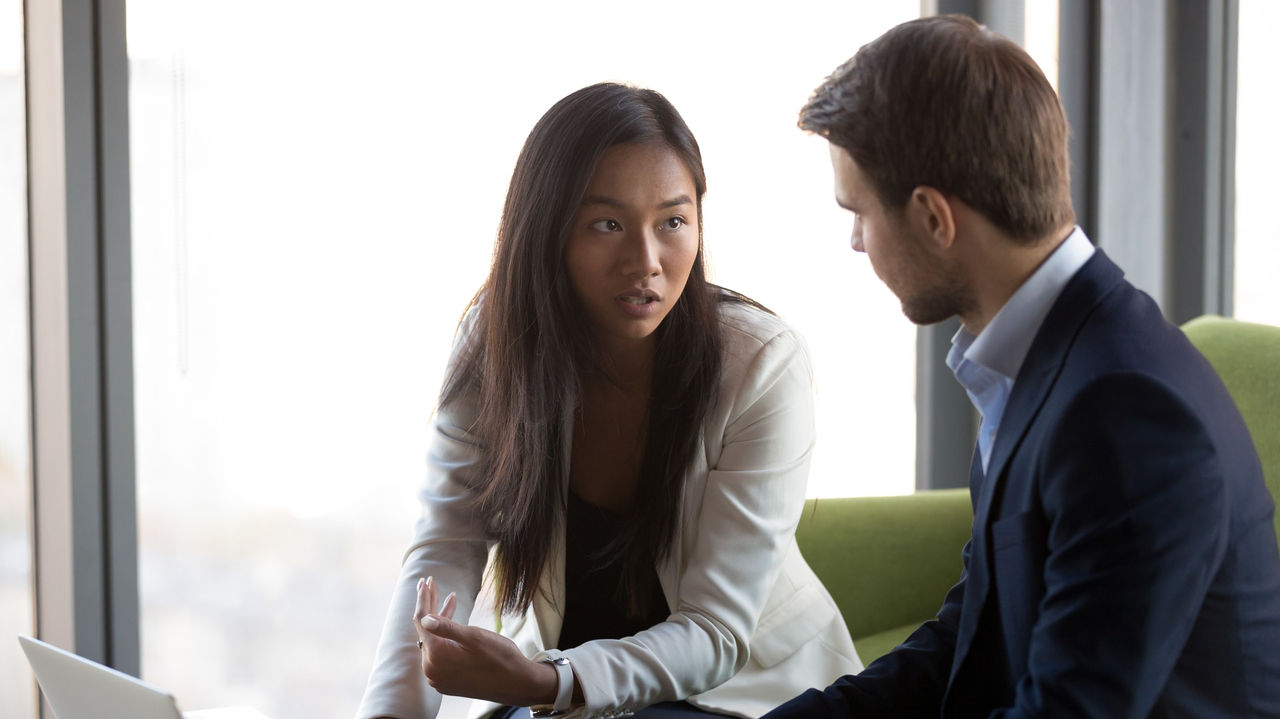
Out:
{"x": 81, "y": 344}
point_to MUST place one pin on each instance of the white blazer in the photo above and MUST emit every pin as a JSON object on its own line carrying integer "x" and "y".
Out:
{"x": 750, "y": 625}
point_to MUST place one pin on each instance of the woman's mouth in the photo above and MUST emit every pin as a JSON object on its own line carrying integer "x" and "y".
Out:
{"x": 639, "y": 305}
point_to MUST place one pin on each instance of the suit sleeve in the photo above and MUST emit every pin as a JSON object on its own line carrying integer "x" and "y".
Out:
{"x": 908, "y": 681}
{"x": 449, "y": 544}
{"x": 1136, "y": 511}
{"x": 752, "y": 501}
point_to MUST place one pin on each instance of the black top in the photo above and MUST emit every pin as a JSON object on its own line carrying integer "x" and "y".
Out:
{"x": 594, "y": 608}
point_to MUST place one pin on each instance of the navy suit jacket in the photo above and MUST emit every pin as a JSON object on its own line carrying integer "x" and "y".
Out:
{"x": 1123, "y": 560}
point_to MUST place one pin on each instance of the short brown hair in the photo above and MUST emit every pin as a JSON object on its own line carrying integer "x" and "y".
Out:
{"x": 944, "y": 102}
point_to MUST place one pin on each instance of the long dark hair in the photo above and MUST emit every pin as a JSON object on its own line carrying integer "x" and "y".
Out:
{"x": 531, "y": 346}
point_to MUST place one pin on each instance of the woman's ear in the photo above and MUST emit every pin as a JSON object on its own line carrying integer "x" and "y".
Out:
{"x": 931, "y": 212}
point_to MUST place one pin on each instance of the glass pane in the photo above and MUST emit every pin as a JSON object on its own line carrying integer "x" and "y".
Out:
{"x": 1040, "y": 36}
{"x": 1257, "y": 242}
{"x": 17, "y": 687}
{"x": 315, "y": 196}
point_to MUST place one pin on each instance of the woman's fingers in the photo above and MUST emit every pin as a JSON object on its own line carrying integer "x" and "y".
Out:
{"x": 431, "y": 595}
{"x": 472, "y": 662}
{"x": 467, "y": 661}
{"x": 449, "y": 606}
{"x": 419, "y": 606}
{"x": 425, "y": 605}
{"x": 443, "y": 644}
{"x": 441, "y": 629}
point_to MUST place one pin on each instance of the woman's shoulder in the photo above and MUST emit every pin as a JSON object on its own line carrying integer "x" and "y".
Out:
{"x": 470, "y": 317}
{"x": 755, "y": 339}
{"x": 763, "y": 359}
{"x": 747, "y": 323}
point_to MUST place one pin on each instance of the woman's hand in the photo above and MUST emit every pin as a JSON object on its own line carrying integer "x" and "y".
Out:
{"x": 468, "y": 661}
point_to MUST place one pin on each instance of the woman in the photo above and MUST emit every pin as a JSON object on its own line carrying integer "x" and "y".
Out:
{"x": 632, "y": 443}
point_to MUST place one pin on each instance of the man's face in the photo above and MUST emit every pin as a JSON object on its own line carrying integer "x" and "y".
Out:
{"x": 900, "y": 252}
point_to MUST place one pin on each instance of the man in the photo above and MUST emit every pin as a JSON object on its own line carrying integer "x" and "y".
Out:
{"x": 1123, "y": 561}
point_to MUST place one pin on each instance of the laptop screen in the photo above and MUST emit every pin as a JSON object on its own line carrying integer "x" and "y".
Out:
{"x": 77, "y": 688}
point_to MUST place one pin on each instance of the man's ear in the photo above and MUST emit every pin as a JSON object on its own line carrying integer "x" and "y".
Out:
{"x": 931, "y": 211}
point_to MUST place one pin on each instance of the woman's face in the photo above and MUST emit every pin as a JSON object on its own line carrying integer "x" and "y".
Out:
{"x": 633, "y": 243}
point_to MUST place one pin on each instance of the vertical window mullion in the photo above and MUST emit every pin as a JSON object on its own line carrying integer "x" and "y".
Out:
{"x": 80, "y": 341}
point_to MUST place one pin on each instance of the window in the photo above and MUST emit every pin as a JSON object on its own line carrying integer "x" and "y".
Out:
{"x": 315, "y": 196}
{"x": 1257, "y": 245}
{"x": 1040, "y": 36}
{"x": 17, "y": 687}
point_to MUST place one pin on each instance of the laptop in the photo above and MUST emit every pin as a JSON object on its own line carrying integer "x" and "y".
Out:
{"x": 77, "y": 688}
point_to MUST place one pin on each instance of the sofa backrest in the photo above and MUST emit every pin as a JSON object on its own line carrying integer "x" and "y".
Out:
{"x": 1247, "y": 357}
{"x": 887, "y": 561}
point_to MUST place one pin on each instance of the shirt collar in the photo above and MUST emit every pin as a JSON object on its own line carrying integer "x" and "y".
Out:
{"x": 1004, "y": 343}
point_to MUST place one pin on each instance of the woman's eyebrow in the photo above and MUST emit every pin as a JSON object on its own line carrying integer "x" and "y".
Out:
{"x": 602, "y": 200}
{"x": 619, "y": 204}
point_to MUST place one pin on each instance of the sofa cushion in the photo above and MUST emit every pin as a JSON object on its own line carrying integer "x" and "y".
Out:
{"x": 871, "y": 648}
{"x": 887, "y": 561}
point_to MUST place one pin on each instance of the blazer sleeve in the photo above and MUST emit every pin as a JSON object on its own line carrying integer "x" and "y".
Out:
{"x": 1135, "y": 501}
{"x": 908, "y": 681}
{"x": 752, "y": 501}
{"x": 449, "y": 544}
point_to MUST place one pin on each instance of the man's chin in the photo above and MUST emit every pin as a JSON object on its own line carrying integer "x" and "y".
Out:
{"x": 937, "y": 305}
{"x": 925, "y": 316}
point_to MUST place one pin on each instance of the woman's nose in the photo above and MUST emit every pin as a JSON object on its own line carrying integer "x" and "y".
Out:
{"x": 643, "y": 256}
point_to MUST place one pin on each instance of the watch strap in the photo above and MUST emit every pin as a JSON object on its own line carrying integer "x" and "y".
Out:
{"x": 564, "y": 689}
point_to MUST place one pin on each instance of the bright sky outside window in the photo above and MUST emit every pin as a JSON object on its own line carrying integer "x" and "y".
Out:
{"x": 315, "y": 197}
{"x": 1257, "y": 241}
{"x": 17, "y": 690}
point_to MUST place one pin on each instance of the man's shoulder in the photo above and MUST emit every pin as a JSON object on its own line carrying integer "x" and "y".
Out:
{"x": 1125, "y": 332}
{"x": 1127, "y": 362}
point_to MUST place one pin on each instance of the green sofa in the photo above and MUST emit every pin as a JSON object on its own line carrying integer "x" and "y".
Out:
{"x": 1247, "y": 357}
{"x": 888, "y": 561}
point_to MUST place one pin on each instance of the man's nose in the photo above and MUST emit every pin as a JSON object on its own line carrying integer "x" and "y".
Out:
{"x": 855, "y": 238}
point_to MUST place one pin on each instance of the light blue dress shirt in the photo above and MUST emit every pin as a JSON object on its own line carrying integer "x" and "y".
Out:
{"x": 986, "y": 364}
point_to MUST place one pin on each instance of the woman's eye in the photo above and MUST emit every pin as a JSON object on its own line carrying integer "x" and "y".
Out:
{"x": 606, "y": 226}
{"x": 673, "y": 223}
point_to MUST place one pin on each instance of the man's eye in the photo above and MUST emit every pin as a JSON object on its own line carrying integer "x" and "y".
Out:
{"x": 674, "y": 223}
{"x": 606, "y": 226}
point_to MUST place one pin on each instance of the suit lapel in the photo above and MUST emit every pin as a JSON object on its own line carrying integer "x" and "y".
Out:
{"x": 968, "y": 619}
{"x": 1044, "y": 359}
{"x": 1039, "y": 370}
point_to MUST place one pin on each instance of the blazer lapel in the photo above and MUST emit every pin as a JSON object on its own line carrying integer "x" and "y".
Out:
{"x": 668, "y": 569}
{"x": 549, "y": 600}
{"x": 1039, "y": 370}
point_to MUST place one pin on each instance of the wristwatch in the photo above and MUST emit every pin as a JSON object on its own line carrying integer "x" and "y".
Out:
{"x": 564, "y": 692}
